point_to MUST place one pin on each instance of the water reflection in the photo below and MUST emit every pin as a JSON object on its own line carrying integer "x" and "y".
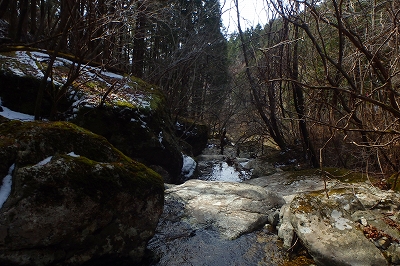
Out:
{"x": 222, "y": 171}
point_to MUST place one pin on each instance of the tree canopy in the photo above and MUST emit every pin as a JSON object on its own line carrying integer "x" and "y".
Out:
{"x": 322, "y": 76}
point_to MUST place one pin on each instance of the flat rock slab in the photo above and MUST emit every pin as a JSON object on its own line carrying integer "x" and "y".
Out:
{"x": 231, "y": 208}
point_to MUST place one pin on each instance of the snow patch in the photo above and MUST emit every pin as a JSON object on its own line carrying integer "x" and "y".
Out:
{"x": 45, "y": 161}
{"x": 189, "y": 165}
{"x": 7, "y": 113}
{"x": 126, "y": 92}
{"x": 72, "y": 154}
{"x": 160, "y": 137}
{"x": 5, "y": 189}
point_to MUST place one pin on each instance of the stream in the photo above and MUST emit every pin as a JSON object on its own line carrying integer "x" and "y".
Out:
{"x": 180, "y": 242}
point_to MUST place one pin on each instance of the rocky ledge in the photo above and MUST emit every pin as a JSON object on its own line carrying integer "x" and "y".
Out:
{"x": 339, "y": 223}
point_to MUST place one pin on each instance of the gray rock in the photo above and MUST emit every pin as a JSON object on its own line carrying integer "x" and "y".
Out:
{"x": 285, "y": 228}
{"x": 326, "y": 229}
{"x": 393, "y": 253}
{"x": 260, "y": 168}
{"x": 273, "y": 218}
{"x": 232, "y": 208}
{"x": 285, "y": 184}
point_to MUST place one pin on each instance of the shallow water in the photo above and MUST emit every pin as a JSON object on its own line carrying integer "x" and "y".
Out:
{"x": 221, "y": 171}
{"x": 179, "y": 243}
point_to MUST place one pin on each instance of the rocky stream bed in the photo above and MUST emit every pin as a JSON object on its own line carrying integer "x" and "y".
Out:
{"x": 225, "y": 217}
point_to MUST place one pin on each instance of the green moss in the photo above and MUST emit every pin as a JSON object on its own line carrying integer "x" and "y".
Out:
{"x": 156, "y": 98}
{"x": 126, "y": 176}
{"x": 137, "y": 83}
{"x": 341, "y": 174}
{"x": 394, "y": 181}
{"x": 307, "y": 203}
{"x": 92, "y": 84}
{"x": 304, "y": 207}
{"x": 122, "y": 103}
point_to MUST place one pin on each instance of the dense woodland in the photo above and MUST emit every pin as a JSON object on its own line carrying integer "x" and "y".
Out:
{"x": 322, "y": 77}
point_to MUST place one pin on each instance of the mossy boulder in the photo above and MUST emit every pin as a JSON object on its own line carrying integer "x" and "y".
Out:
{"x": 129, "y": 112}
{"x": 142, "y": 134}
{"x": 75, "y": 199}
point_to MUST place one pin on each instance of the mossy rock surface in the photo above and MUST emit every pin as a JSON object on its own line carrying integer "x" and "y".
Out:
{"x": 75, "y": 198}
{"x": 21, "y": 73}
{"x": 129, "y": 112}
{"x": 145, "y": 135}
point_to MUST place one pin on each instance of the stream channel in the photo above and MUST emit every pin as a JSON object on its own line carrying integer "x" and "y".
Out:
{"x": 178, "y": 242}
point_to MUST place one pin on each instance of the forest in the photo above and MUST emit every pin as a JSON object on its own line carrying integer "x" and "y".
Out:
{"x": 321, "y": 78}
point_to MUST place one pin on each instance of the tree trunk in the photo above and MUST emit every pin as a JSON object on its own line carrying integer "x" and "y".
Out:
{"x": 3, "y": 7}
{"x": 273, "y": 130}
{"x": 299, "y": 105}
{"x": 138, "y": 42}
{"x": 33, "y": 17}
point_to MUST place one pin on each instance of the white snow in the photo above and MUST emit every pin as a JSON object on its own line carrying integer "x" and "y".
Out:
{"x": 160, "y": 137}
{"x": 15, "y": 115}
{"x": 45, "y": 161}
{"x": 126, "y": 92}
{"x": 72, "y": 154}
{"x": 5, "y": 189}
{"x": 189, "y": 165}
{"x": 112, "y": 75}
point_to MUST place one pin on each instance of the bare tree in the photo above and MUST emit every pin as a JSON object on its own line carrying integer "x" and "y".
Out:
{"x": 357, "y": 87}
{"x": 270, "y": 121}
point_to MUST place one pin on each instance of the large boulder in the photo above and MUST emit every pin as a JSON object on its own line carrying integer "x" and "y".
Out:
{"x": 75, "y": 199}
{"x": 217, "y": 223}
{"x": 346, "y": 226}
{"x": 143, "y": 135}
{"x": 233, "y": 209}
{"x": 129, "y": 112}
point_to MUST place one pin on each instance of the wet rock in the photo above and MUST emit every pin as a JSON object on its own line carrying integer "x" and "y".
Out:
{"x": 216, "y": 223}
{"x": 260, "y": 168}
{"x": 232, "y": 208}
{"x": 75, "y": 199}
